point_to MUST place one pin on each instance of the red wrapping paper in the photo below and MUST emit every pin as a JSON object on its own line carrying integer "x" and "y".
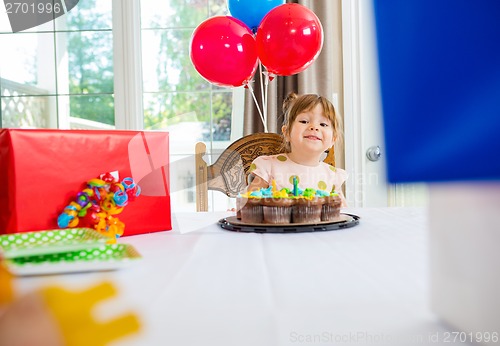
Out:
{"x": 41, "y": 172}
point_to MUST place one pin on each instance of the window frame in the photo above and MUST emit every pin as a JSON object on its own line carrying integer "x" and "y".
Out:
{"x": 129, "y": 111}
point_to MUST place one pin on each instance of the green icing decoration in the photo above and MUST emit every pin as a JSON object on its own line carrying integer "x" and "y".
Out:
{"x": 309, "y": 192}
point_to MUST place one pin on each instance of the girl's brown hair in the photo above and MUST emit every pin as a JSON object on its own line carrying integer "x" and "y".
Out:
{"x": 295, "y": 104}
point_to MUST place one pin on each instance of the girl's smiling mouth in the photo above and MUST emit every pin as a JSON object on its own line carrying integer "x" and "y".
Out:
{"x": 314, "y": 138}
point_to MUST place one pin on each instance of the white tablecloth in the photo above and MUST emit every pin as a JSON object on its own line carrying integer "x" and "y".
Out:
{"x": 201, "y": 285}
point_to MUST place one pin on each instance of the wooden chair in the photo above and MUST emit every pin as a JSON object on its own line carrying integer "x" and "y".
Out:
{"x": 229, "y": 174}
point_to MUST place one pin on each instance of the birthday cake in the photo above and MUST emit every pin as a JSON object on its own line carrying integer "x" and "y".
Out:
{"x": 270, "y": 206}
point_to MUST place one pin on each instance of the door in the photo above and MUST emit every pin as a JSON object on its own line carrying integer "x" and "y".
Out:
{"x": 366, "y": 186}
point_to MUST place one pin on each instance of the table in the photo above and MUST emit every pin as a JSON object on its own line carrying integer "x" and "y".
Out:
{"x": 201, "y": 285}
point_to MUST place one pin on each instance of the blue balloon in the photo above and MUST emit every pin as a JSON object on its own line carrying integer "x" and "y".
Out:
{"x": 251, "y": 12}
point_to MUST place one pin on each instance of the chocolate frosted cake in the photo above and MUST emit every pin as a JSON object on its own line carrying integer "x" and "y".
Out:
{"x": 249, "y": 210}
{"x": 282, "y": 207}
{"x": 331, "y": 208}
{"x": 307, "y": 210}
{"x": 277, "y": 210}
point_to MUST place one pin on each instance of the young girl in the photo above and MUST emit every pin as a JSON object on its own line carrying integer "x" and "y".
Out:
{"x": 310, "y": 127}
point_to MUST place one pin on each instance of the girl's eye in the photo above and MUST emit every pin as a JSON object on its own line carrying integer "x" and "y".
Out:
{"x": 303, "y": 121}
{"x": 324, "y": 124}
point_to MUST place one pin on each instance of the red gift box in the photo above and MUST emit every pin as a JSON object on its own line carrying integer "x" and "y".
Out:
{"x": 41, "y": 172}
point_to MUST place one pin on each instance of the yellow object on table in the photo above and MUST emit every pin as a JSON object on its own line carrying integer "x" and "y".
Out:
{"x": 73, "y": 312}
{"x": 6, "y": 290}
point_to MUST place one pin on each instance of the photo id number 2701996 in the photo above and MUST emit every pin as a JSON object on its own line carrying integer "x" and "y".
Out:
{"x": 477, "y": 337}
{"x": 25, "y": 8}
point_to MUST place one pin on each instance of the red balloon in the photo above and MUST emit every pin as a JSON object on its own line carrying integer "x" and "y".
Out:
{"x": 289, "y": 39}
{"x": 223, "y": 51}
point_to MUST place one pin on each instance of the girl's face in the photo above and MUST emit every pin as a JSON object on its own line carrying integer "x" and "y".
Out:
{"x": 311, "y": 132}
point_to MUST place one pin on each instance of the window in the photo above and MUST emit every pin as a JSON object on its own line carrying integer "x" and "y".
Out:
{"x": 66, "y": 74}
{"x": 51, "y": 79}
{"x": 176, "y": 97}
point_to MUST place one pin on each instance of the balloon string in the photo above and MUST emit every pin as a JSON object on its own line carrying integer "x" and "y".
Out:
{"x": 257, "y": 105}
{"x": 262, "y": 91}
{"x": 266, "y": 93}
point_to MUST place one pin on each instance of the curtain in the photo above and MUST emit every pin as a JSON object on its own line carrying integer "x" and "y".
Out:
{"x": 323, "y": 77}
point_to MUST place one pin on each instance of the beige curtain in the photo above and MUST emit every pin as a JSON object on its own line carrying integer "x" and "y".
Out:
{"x": 323, "y": 77}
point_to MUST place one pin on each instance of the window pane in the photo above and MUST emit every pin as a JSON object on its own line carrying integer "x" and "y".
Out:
{"x": 90, "y": 62}
{"x": 166, "y": 62}
{"x": 87, "y": 15}
{"x": 218, "y": 8}
{"x": 28, "y": 111}
{"x": 166, "y": 109}
{"x": 221, "y": 119}
{"x": 185, "y": 115}
{"x": 29, "y": 61}
{"x": 182, "y": 182}
{"x": 98, "y": 108}
{"x": 173, "y": 13}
